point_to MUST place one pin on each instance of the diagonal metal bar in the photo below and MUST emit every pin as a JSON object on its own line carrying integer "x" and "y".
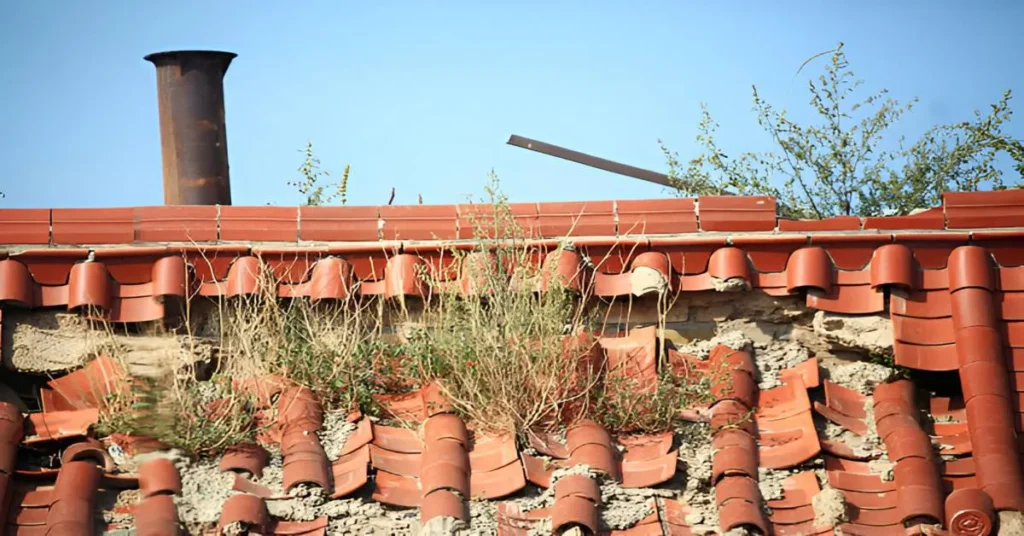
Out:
{"x": 589, "y": 160}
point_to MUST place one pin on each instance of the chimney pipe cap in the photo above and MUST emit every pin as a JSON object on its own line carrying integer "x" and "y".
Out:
{"x": 158, "y": 58}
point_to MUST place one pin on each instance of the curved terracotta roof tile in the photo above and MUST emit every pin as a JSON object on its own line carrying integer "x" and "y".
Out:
{"x": 492, "y": 452}
{"x": 444, "y": 476}
{"x": 871, "y": 500}
{"x": 919, "y": 493}
{"x": 443, "y": 503}
{"x": 244, "y": 485}
{"x": 589, "y": 443}
{"x": 306, "y": 466}
{"x": 807, "y": 372}
{"x": 848, "y": 299}
{"x": 892, "y": 264}
{"x": 742, "y": 513}
{"x": 855, "y": 476}
{"x": 298, "y": 407}
{"x": 247, "y": 510}
{"x": 786, "y": 433}
{"x": 538, "y": 470}
{"x": 970, "y": 513}
{"x": 644, "y": 447}
{"x": 156, "y": 516}
{"x": 85, "y": 387}
{"x": 396, "y": 490}
{"x": 73, "y": 499}
{"x": 729, "y": 263}
{"x": 445, "y": 451}
{"x": 11, "y": 432}
{"x": 350, "y": 471}
{"x": 649, "y": 473}
{"x": 89, "y": 450}
{"x": 316, "y": 527}
{"x": 89, "y": 286}
{"x": 159, "y": 476}
{"x": 248, "y": 458}
{"x": 445, "y": 426}
{"x": 801, "y": 515}
{"x": 921, "y": 303}
{"x": 853, "y": 424}
{"x": 578, "y": 486}
{"x": 784, "y": 401}
{"x": 934, "y": 358}
{"x": 399, "y": 463}
{"x": 575, "y": 505}
{"x": 984, "y": 377}
{"x": 797, "y": 491}
{"x": 497, "y": 483}
{"x": 811, "y": 268}
{"x": 632, "y": 357}
{"x": 406, "y": 407}
{"x": 242, "y": 279}
{"x": 41, "y": 427}
{"x": 330, "y": 279}
{"x": 923, "y": 331}
{"x": 396, "y": 439}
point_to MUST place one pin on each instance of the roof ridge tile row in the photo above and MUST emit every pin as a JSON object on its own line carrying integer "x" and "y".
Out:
{"x": 712, "y": 214}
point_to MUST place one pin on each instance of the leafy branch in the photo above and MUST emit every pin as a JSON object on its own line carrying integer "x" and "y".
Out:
{"x": 844, "y": 163}
{"x": 312, "y": 184}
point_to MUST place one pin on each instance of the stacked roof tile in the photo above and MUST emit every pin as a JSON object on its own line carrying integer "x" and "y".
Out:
{"x": 951, "y": 279}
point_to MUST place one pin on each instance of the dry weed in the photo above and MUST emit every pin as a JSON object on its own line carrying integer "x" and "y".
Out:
{"x": 327, "y": 347}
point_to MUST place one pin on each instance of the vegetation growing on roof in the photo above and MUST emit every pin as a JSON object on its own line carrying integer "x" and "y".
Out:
{"x": 313, "y": 182}
{"x": 848, "y": 162}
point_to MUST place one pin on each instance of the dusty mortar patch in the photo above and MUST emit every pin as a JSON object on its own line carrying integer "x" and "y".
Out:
{"x": 334, "y": 433}
{"x": 45, "y": 341}
{"x": 623, "y": 508}
{"x": 770, "y": 482}
{"x": 647, "y": 280}
{"x": 546, "y": 498}
{"x": 701, "y": 349}
{"x": 273, "y": 473}
{"x": 116, "y": 506}
{"x": 883, "y": 467}
{"x": 204, "y": 489}
{"x": 774, "y": 357}
{"x": 304, "y": 503}
{"x": 696, "y": 452}
{"x": 719, "y": 307}
{"x": 443, "y": 526}
{"x": 351, "y": 517}
{"x": 864, "y": 333}
{"x": 734, "y": 284}
{"x": 1011, "y": 523}
{"x": 49, "y": 341}
{"x": 861, "y": 376}
{"x": 829, "y": 507}
{"x": 862, "y": 446}
{"x": 483, "y": 517}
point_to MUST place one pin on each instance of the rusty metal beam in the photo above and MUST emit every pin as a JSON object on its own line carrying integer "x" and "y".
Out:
{"x": 589, "y": 160}
{"x": 193, "y": 137}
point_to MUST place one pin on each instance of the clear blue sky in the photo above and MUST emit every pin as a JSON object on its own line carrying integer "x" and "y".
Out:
{"x": 423, "y": 95}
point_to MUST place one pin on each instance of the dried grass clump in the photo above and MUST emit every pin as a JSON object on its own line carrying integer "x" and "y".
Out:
{"x": 507, "y": 357}
{"x": 509, "y": 343}
{"x": 327, "y": 347}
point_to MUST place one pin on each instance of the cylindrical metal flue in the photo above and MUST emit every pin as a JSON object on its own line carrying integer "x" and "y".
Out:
{"x": 193, "y": 138}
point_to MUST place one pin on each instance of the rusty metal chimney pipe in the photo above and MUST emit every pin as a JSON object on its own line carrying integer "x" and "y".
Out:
{"x": 193, "y": 137}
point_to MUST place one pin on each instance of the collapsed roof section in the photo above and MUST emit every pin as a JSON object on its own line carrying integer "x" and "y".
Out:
{"x": 951, "y": 280}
